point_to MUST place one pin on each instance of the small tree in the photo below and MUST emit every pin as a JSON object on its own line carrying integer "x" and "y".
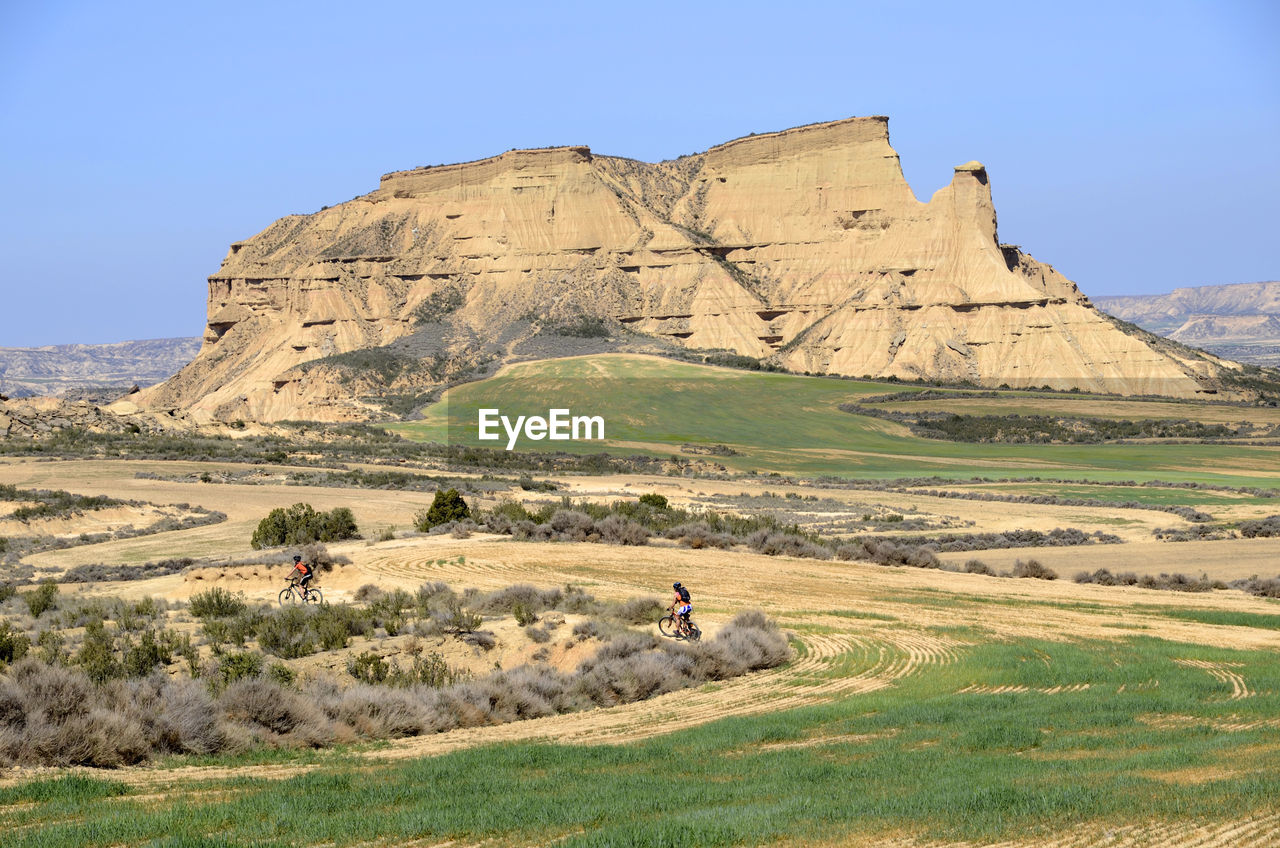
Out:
{"x": 42, "y": 599}
{"x": 447, "y": 506}
{"x": 654, "y": 500}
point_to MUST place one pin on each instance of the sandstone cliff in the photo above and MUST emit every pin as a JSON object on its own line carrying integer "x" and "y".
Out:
{"x": 805, "y": 246}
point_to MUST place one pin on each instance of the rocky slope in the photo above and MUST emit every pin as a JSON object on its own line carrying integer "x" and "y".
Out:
{"x": 806, "y": 247}
{"x": 55, "y": 369}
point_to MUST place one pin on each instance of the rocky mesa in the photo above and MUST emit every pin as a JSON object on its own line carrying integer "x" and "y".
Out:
{"x": 804, "y": 247}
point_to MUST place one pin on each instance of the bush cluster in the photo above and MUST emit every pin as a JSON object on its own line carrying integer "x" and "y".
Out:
{"x": 1265, "y": 588}
{"x": 1176, "y": 582}
{"x": 300, "y": 524}
{"x": 64, "y": 715}
{"x": 1041, "y": 429}
{"x": 1257, "y": 528}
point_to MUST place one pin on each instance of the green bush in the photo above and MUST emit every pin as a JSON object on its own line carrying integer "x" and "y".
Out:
{"x": 217, "y": 603}
{"x": 13, "y": 644}
{"x": 300, "y": 524}
{"x": 654, "y": 500}
{"x": 97, "y": 656}
{"x": 447, "y": 506}
{"x": 143, "y": 658}
{"x": 42, "y": 599}
{"x": 286, "y": 634}
{"x": 235, "y": 667}
{"x": 368, "y": 668}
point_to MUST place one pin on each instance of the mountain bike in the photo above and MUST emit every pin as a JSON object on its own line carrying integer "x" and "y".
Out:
{"x": 674, "y": 626}
{"x": 293, "y": 594}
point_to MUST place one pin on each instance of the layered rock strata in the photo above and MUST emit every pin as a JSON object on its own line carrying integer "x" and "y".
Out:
{"x": 805, "y": 246}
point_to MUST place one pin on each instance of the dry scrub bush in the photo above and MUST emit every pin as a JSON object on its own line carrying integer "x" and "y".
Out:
{"x": 616, "y": 530}
{"x": 530, "y": 598}
{"x": 773, "y": 543}
{"x": 54, "y": 716}
{"x": 275, "y": 715}
{"x": 1104, "y": 577}
{"x": 977, "y": 566}
{"x": 639, "y": 611}
{"x": 698, "y": 535}
{"x": 1034, "y": 569}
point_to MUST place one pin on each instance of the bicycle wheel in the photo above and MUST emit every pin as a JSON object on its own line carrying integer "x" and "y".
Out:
{"x": 287, "y": 597}
{"x": 667, "y": 626}
{"x": 314, "y": 597}
{"x": 694, "y": 633}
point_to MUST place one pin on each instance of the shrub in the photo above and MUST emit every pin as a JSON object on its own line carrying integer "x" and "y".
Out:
{"x": 1034, "y": 569}
{"x": 530, "y": 598}
{"x": 13, "y": 645}
{"x": 977, "y": 566}
{"x": 286, "y": 633}
{"x": 1269, "y": 526}
{"x": 482, "y": 639}
{"x": 233, "y": 667}
{"x": 42, "y": 599}
{"x": 52, "y": 716}
{"x": 1104, "y": 577}
{"x": 300, "y": 524}
{"x": 97, "y": 654}
{"x": 447, "y": 506}
{"x": 368, "y": 667}
{"x": 318, "y": 557}
{"x": 640, "y": 610}
{"x": 616, "y": 530}
{"x": 654, "y": 500}
{"x": 1268, "y": 588}
{"x": 141, "y": 659}
{"x": 275, "y": 714}
{"x": 217, "y": 603}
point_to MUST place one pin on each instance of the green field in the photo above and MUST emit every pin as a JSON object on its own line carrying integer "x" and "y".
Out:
{"x": 937, "y": 756}
{"x": 792, "y": 424}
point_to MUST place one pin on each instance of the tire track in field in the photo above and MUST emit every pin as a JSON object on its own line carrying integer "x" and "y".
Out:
{"x": 1227, "y": 724}
{"x": 1255, "y": 832}
{"x": 1222, "y": 671}
{"x": 978, "y": 689}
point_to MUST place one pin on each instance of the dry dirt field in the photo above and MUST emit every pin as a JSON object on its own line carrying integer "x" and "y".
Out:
{"x": 901, "y": 621}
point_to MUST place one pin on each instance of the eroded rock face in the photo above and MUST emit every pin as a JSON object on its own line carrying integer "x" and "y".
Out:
{"x": 806, "y": 246}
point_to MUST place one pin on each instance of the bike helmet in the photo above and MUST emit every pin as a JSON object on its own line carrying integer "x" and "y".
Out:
{"x": 297, "y": 558}
{"x": 675, "y": 585}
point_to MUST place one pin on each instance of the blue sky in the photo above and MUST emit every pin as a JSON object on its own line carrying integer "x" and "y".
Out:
{"x": 1134, "y": 146}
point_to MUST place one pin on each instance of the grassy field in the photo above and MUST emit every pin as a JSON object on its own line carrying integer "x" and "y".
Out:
{"x": 1025, "y": 739}
{"x": 792, "y": 424}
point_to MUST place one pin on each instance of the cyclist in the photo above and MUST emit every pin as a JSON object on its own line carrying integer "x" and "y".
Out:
{"x": 683, "y": 604}
{"x": 307, "y": 573}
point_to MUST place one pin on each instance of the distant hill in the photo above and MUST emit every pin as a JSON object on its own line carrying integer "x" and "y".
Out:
{"x": 89, "y": 371}
{"x": 1240, "y": 321}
